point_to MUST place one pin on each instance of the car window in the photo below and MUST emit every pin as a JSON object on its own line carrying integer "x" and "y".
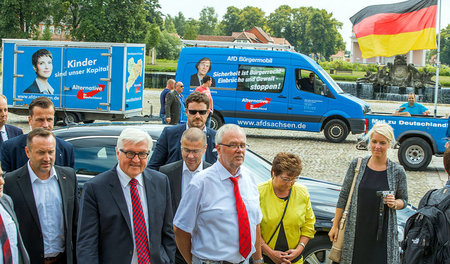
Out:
{"x": 258, "y": 166}
{"x": 94, "y": 155}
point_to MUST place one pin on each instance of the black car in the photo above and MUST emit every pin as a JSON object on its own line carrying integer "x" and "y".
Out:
{"x": 95, "y": 153}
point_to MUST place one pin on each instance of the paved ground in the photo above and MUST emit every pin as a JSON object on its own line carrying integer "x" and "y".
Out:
{"x": 321, "y": 159}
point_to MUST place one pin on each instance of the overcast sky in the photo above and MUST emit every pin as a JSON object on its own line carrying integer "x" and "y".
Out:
{"x": 342, "y": 9}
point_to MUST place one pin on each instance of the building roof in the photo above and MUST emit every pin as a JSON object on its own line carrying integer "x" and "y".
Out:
{"x": 215, "y": 38}
{"x": 281, "y": 41}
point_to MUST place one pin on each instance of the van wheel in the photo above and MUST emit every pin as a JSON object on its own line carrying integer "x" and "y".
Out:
{"x": 317, "y": 250}
{"x": 70, "y": 118}
{"x": 414, "y": 154}
{"x": 216, "y": 121}
{"x": 336, "y": 130}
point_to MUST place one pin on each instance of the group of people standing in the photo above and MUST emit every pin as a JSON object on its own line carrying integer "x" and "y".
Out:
{"x": 192, "y": 201}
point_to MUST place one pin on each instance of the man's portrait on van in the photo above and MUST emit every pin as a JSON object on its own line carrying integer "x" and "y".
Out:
{"x": 203, "y": 66}
{"x": 42, "y": 65}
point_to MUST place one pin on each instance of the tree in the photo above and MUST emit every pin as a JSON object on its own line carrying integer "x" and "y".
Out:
{"x": 113, "y": 21}
{"x": 169, "y": 46}
{"x": 279, "y": 20}
{"x": 445, "y": 45}
{"x": 207, "y": 21}
{"x": 251, "y": 17}
{"x": 180, "y": 22}
{"x": 230, "y": 22}
{"x": 154, "y": 16}
{"x": 169, "y": 25}
{"x": 46, "y": 33}
{"x": 191, "y": 30}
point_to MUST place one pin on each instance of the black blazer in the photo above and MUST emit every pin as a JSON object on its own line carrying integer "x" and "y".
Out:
{"x": 173, "y": 107}
{"x": 18, "y": 186}
{"x": 174, "y": 172}
{"x": 168, "y": 146}
{"x": 195, "y": 82}
{"x": 104, "y": 233}
{"x": 13, "y": 153}
{"x": 33, "y": 88}
{"x": 7, "y": 203}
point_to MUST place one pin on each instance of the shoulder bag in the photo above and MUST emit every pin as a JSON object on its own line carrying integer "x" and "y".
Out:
{"x": 336, "y": 249}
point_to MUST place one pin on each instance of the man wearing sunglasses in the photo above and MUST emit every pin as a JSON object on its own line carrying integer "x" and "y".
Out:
{"x": 126, "y": 212}
{"x": 168, "y": 146}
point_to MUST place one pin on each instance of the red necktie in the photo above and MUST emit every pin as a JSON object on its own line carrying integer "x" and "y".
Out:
{"x": 245, "y": 243}
{"x": 6, "y": 248}
{"x": 140, "y": 230}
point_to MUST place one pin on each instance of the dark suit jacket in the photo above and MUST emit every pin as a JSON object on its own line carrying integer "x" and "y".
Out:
{"x": 18, "y": 186}
{"x": 7, "y": 203}
{"x": 104, "y": 233}
{"x": 195, "y": 82}
{"x": 11, "y": 131}
{"x": 33, "y": 88}
{"x": 174, "y": 172}
{"x": 173, "y": 107}
{"x": 168, "y": 146}
{"x": 13, "y": 153}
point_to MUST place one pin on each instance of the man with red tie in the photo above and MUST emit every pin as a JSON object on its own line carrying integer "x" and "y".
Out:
{"x": 217, "y": 220}
{"x": 126, "y": 213}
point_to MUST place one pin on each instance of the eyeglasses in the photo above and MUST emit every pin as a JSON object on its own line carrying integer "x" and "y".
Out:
{"x": 236, "y": 146}
{"x": 132, "y": 154}
{"x": 201, "y": 112}
{"x": 287, "y": 179}
{"x": 181, "y": 86}
{"x": 193, "y": 151}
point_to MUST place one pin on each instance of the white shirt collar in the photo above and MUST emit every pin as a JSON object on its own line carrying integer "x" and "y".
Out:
{"x": 34, "y": 177}
{"x": 199, "y": 168}
{"x": 224, "y": 173}
{"x": 204, "y": 127}
{"x": 44, "y": 86}
{"x": 125, "y": 179}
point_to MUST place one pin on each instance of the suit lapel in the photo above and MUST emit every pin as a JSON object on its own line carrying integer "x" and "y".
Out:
{"x": 117, "y": 194}
{"x": 63, "y": 185}
{"x": 178, "y": 180}
{"x": 150, "y": 195}
{"x": 24, "y": 182}
{"x": 8, "y": 209}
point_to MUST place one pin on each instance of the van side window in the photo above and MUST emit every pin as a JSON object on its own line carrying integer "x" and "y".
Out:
{"x": 261, "y": 79}
{"x": 308, "y": 81}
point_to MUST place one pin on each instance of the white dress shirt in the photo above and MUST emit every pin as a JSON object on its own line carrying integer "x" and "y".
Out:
{"x": 208, "y": 212}
{"x": 44, "y": 88}
{"x": 11, "y": 231}
{"x": 125, "y": 183}
{"x": 3, "y": 133}
{"x": 47, "y": 196}
{"x": 187, "y": 176}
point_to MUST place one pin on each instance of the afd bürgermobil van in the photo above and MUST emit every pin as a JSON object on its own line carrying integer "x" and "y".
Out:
{"x": 272, "y": 89}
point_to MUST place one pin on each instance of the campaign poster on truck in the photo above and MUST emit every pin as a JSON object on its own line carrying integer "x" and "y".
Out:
{"x": 134, "y": 77}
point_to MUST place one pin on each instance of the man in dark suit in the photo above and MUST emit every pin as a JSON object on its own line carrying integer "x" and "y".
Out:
{"x": 6, "y": 131}
{"x": 42, "y": 112}
{"x": 168, "y": 147}
{"x": 180, "y": 173}
{"x": 46, "y": 201}
{"x": 174, "y": 101}
{"x": 126, "y": 212}
{"x": 18, "y": 252}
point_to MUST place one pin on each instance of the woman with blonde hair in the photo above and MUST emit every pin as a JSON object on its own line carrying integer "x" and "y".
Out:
{"x": 288, "y": 219}
{"x": 371, "y": 236}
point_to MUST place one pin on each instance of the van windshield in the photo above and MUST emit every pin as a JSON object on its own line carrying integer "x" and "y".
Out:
{"x": 331, "y": 81}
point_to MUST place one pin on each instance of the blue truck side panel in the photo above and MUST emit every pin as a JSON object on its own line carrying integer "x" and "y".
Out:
{"x": 432, "y": 128}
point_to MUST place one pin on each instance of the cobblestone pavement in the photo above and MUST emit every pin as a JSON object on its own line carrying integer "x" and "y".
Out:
{"x": 321, "y": 159}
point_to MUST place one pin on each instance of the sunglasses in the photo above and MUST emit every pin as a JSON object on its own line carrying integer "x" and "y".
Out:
{"x": 201, "y": 112}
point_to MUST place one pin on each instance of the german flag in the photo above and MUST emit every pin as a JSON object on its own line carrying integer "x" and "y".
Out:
{"x": 392, "y": 29}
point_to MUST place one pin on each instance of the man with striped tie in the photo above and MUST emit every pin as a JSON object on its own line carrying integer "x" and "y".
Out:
{"x": 217, "y": 221}
{"x": 126, "y": 212}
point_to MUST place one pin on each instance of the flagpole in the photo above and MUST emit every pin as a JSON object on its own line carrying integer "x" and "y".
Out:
{"x": 436, "y": 87}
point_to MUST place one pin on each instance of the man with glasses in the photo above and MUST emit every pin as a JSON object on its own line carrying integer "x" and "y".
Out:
{"x": 168, "y": 146}
{"x": 126, "y": 212}
{"x": 180, "y": 173}
{"x": 174, "y": 103}
{"x": 218, "y": 217}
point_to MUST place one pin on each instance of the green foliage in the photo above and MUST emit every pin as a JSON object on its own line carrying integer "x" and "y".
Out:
{"x": 279, "y": 20}
{"x": 180, "y": 22}
{"x": 445, "y": 45}
{"x": 46, "y": 33}
{"x": 230, "y": 22}
{"x": 250, "y": 17}
{"x": 153, "y": 36}
{"x": 191, "y": 30}
{"x": 169, "y": 46}
{"x": 169, "y": 24}
{"x": 207, "y": 21}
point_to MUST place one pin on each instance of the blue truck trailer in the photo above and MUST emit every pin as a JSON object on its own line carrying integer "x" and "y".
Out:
{"x": 275, "y": 89}
{"x": 417, "y": 137}
{"x": 86, "y": 81}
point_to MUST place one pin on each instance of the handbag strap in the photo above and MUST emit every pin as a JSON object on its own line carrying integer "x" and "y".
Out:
{"x": 281, "y": 220}
{"x": 358, "y": 166}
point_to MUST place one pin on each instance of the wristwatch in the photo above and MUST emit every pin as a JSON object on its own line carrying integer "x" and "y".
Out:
{"x": 303, "y": 244}
{"x": 260, "y": 261}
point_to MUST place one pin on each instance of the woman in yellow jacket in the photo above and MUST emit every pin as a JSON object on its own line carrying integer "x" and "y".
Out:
{"x": 288, "y": 218}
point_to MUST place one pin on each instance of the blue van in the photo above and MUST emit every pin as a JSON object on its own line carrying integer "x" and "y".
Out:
{"x": 272, "y": 89}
